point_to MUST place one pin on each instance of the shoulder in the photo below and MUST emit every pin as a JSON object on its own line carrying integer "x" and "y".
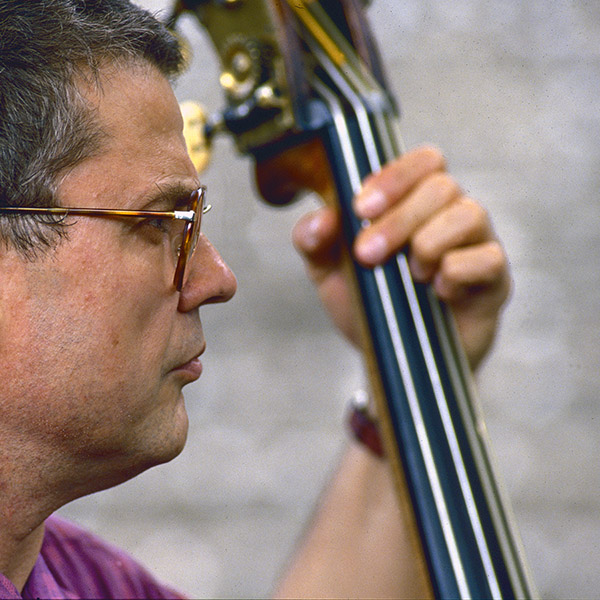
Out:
{"x": 87, "y": 565}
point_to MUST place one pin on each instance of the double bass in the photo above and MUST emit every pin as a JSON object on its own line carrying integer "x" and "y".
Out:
{"x": 307, "y": 98}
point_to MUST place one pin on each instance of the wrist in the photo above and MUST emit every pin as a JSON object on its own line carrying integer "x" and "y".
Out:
{"x": 364, "y": 425}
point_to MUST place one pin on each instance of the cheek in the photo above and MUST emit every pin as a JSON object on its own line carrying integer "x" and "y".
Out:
{"x": 126, "y": 325}
{"x": 87, "y": 348}
{"x": 97, "y": 368}
{"x": 104, "y": 326}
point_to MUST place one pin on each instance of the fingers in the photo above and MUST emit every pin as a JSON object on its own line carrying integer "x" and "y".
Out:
{"x": 459, "y": 223}
{"x": 400, "y": 197}
{"x": 413, "y": 203}
{"x": 475, "y": 270}
{"x": 475, "y": 282}
{"x": 396, "y": 227}
{"x": 382, "y": 190}
{"x": 317, "y": 237}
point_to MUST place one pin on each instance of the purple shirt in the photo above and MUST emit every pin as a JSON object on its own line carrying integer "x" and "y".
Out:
{"x": 74, "y": 563}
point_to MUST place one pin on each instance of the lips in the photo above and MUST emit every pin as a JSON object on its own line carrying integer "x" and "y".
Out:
{"x": 191, "y": 369}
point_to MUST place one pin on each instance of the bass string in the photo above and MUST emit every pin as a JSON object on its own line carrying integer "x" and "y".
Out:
{"x": 438, "y": 388}
{"x": 469, "y": 407}
{"x": 382, "y": 282}
{"x": 380, "y": 133}
{"x": 361, "y": 111}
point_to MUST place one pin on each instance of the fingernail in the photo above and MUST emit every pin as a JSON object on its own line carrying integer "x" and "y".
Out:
{"x": 372, "y": 249}
{"x": 370, "y": 202}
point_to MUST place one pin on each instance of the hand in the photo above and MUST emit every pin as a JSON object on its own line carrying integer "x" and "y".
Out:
{"x": 414, "y": 202}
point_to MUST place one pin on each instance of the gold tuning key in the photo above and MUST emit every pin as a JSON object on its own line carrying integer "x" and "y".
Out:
{"x": 194, "y": 131}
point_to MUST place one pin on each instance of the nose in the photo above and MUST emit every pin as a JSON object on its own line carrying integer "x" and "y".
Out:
{"x": 208, "y": 278}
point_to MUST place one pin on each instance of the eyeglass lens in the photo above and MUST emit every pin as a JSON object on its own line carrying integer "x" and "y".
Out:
{"x": 191, "y": 234}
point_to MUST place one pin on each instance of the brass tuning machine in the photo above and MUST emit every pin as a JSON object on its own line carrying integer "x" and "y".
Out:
{"x": 198, "y": 131}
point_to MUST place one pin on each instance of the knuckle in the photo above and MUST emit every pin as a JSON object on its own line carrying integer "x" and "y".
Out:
{"x": 474, "y": 213}
{"x": 445, "y": 185}
{"x": 424, "y": 248}
{"x": 496, "y": 258}
{"x": 451, "y": 269}
{"x": 434, "y": 157}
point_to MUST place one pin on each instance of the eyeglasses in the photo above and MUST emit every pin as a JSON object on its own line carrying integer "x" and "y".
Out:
{"x": 192, "y": 218}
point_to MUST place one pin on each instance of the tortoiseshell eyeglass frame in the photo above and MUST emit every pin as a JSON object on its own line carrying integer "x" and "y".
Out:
{"x": 191, "y": 232}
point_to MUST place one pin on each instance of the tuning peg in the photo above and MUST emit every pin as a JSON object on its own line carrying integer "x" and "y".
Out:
{"x": 194, "y": 131}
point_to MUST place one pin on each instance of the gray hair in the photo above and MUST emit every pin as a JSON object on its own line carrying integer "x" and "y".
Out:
{"x": 46, "y": 46}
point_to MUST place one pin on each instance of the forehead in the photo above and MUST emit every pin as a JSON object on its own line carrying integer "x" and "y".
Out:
{"x": 143, "y": 147}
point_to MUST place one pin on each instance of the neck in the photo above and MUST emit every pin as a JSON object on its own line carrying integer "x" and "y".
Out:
{"x": 35, "y": 481}
{"x": 26, "y": 500}
{"x": 19, "y": 552}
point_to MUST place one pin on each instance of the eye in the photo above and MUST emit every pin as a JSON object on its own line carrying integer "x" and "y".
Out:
{"x": 161, "y": 225}
{"x": 154, "y": 229}
{"x": 164, "y": 231}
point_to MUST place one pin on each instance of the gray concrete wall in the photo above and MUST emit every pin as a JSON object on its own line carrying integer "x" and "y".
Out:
{"x": 511, "y": 91}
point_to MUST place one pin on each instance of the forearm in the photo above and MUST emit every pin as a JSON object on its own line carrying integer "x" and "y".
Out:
{"x": 361, "y": 543}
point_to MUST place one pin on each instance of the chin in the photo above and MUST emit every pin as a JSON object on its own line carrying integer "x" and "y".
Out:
{"x": 161, "y": 441}
{"x": 151, "y": 455}
{"x": 111, "y": 461}
{"x": 170, "y": 440}
{"x": 174, "y": 449}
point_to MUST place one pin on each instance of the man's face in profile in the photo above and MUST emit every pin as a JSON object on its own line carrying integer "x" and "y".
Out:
{"x": 99, "y": 342}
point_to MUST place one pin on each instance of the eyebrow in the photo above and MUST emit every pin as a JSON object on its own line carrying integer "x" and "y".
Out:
{"x": 168, "y": 196}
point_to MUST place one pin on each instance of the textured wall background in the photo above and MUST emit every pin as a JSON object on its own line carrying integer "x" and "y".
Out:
{"x": 511, "y": 91}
